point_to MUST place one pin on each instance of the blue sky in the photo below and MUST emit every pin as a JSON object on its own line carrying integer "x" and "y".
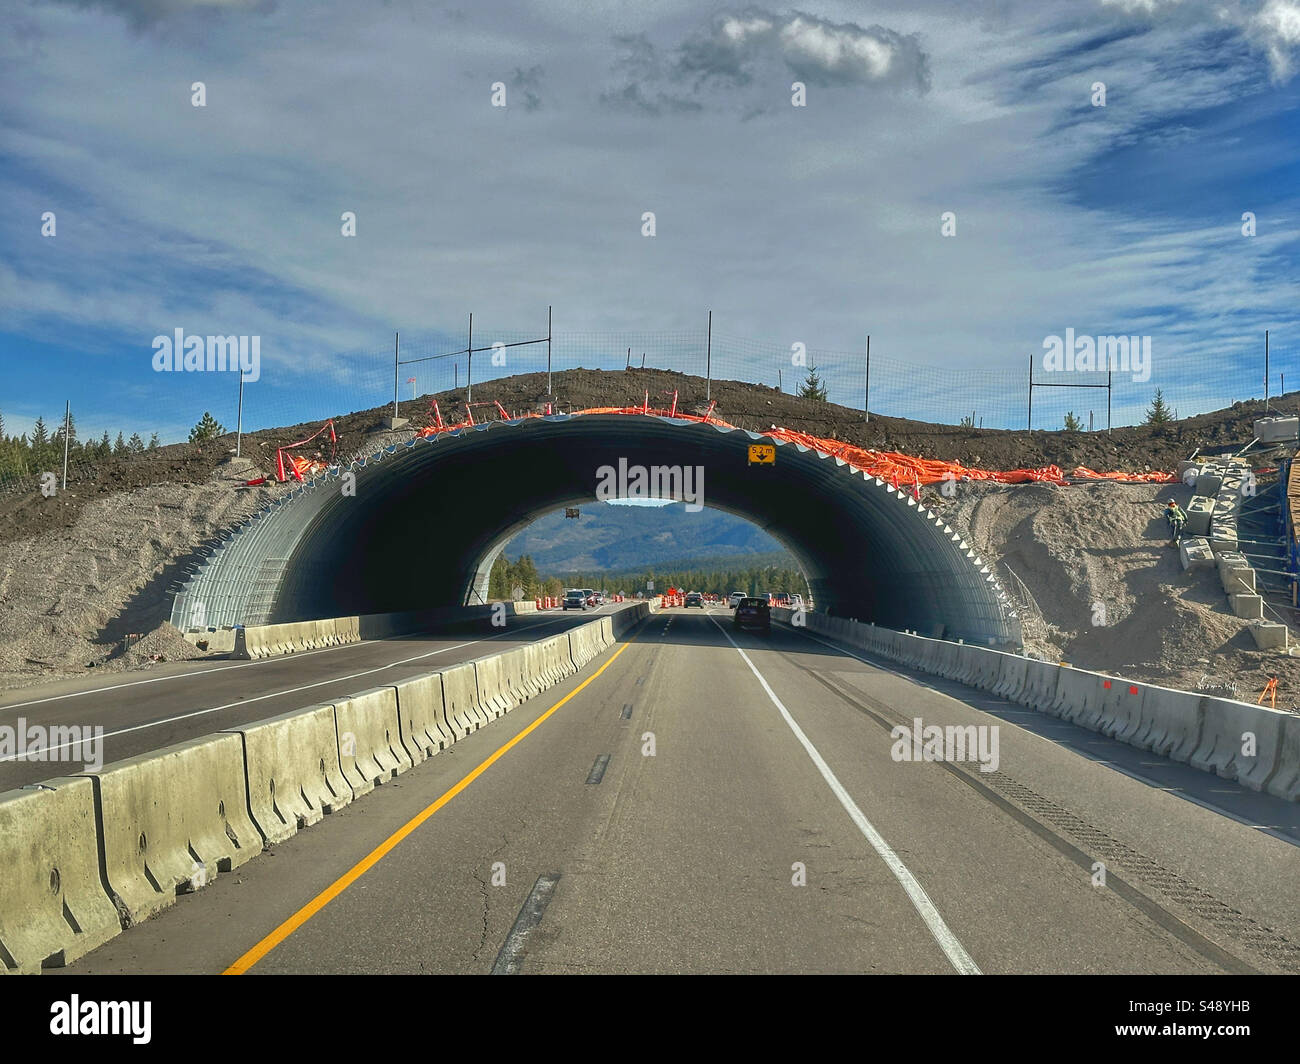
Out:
{"x": 813, "y": 224}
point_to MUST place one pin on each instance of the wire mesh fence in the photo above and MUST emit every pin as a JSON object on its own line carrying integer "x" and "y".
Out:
{"x": 154, "y": 410}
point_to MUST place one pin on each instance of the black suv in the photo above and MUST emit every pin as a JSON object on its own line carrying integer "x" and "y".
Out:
{"x": 693, "y": 599}
{"x": 753, "y": 613}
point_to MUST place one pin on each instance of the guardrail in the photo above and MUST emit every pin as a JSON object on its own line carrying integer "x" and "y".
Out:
{"x": 84, "y": 857}
{"x": 1256, "y": 746}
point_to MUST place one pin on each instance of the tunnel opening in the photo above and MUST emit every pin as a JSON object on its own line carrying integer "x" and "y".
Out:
{"x": 427, "y": 519}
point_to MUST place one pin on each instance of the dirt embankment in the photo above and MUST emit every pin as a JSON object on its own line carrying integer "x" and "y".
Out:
{"x": 1111, "y": 591}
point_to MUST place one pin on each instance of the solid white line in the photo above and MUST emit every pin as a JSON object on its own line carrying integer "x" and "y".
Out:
{"x": 947, "y": 941}
{"x": 260, "y": 698}
{"x": 1068, "y": 745}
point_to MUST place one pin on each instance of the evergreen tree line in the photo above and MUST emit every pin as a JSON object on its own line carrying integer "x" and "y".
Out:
{"x": 753, "y": 580}
{"x": 23, "y": 456}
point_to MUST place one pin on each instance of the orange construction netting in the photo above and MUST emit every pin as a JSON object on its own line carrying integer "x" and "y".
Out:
{"x": 892, "y": 466}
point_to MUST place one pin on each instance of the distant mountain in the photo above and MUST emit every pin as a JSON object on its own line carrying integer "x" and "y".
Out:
{"x": 623, "y": 538}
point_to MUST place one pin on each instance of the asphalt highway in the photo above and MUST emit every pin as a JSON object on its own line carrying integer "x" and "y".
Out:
{"x": 173, "y": 702}
{"x": 700, "y": 800}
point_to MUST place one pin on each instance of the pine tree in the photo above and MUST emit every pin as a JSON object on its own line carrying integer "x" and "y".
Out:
{"x": 208, "y": 428}
{"x": 105, "y": 448}
{"x": 153, "y": 442}
{"x": 119, "y": 447}
{"x": 1072, "y": 423}
{"x": 1158, "y": 413}
{"x": 135, "y": 445}
{"x": 812, "y": 387}
{"x": 40, "y": 434}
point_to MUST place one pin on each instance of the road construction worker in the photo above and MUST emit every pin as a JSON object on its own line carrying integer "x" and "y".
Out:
{"x": 1176, "y": 518}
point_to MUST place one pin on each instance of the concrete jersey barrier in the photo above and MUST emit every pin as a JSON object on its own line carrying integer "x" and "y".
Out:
{"x": 369, "y": 739}
{"x": 172, "y": 821}
{"x": 293, "y": 770}
{"x": 49, "y": 867}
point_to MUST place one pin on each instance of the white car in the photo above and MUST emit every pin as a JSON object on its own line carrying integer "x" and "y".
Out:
{"x": 734, "y": 598}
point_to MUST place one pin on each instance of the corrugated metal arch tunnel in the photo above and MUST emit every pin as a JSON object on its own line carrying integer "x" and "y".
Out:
{"x": 427, "y": 520}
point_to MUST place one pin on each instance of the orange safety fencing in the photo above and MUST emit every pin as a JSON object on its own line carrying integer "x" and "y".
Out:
{"x": 901, "y": 470}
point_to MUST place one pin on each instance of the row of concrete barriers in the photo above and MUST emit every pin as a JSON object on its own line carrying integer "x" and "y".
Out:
{"x": 83, "y": 857}
{"x": 1256, "y": 746}
{"x": 273, "y": 640}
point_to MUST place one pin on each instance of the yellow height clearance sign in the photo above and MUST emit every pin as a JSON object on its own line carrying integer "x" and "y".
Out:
{"x": 762, "y": 454}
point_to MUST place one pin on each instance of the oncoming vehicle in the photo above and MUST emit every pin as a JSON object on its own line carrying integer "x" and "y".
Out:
{"x": 575, "y": 600}
{"x": 753, "y": 613}
{"x": 694, "y": 599}
{"x": 734, "y": 599}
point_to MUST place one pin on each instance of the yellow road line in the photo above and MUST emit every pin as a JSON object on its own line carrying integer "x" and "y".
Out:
{"x": 376, "y": 855}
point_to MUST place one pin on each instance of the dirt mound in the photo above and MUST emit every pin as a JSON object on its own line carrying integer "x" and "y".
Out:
{"x": 1111, "y": 593}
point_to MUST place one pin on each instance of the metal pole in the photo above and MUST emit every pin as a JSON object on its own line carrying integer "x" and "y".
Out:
{"x": 396, "y": 368}
{"x": 1265, "y": 369}
{"x": 628, "y": 364}
{"x": 1029, "y": 424}
{"x": 67, "y": 422}
{"x": 548, "y": 352}
{"x": 1109, "y": 375}
{"x": 239, "y": 417}
{"x": 469, "y": 368}
{"x": 708, "y": 361}
{"x": 780, "y": 385}
{"x": 866, "y": 388}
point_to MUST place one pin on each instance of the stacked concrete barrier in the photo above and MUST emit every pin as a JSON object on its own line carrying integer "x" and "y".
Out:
{"x": 370, "y": 739}
{"x": 1041, "y": 681}
{"x": 1121, "y": 708}
{"x": 521, "y": 670}
{"x": 421, "y": 714}
{"x": 1078, "y": 697}
{"x": 460, "y": 695}
{"x": 53, "y": 908}
{"x": 1286, "y": 782}
{"x": 293, "y": 771}
{"x": 494, "y": 694}
{"x": 558, "y": 661}
{"x": 1231, "y": 730}
{"x": 271, "y": 640}
{"x": 173, "y": 820}
{"x": 1011, "y": 677}
{"x": 1172, "y": 722}
{"x": 585, "y": 643}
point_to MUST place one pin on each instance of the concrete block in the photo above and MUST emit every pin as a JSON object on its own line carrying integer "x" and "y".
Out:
{"x": 1195, "y": 553}
{"x": 1239, "y": 580}
{"x": 370, "y": 739}
{"x": 1199, "y": 513}
{"x": 1223, "y": 537}
{"x": 53, "y": 907}
{"x": 172, "y": 821}
{"x": 1247, "y": 605}
{"x": 1011, "y": 680}
{"x": 294, "y": 774}
{"x": 1208, "y": 482}
{"x": 1120, "y": 712}
{"x": 1277, "y": 429}
{"x": 1269, "y": 635}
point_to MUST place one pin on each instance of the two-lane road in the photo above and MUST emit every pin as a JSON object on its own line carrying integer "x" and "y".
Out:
{"x": 175, "y": 702}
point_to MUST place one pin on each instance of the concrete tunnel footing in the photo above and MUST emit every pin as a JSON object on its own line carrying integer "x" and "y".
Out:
{"x": 428, "y": 517}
